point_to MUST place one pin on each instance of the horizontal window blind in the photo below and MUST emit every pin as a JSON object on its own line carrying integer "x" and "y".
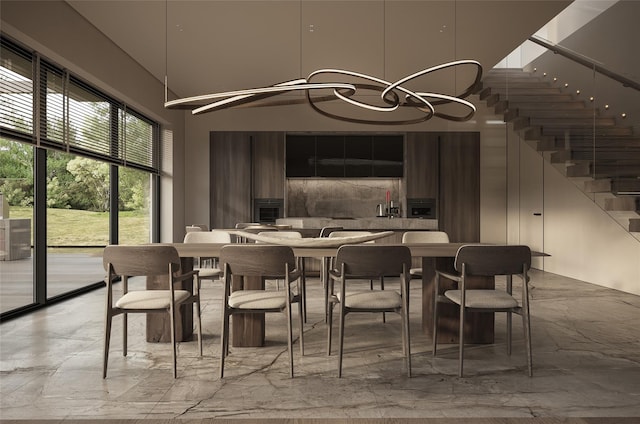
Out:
{"x": 16, "y": 90}
{"x": 73, "y": 116}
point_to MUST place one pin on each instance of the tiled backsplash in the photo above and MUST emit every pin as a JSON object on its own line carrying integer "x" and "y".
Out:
{"x": 340, "y": 198}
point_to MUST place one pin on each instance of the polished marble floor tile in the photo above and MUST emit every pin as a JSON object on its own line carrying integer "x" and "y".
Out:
{"x": 586, "y": 353}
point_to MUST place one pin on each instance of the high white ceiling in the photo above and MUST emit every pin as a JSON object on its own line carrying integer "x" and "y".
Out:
{"x": 216, "y": 45}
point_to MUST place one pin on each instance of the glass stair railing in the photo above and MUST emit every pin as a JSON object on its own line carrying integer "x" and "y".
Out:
{"x": 582, "y": 118}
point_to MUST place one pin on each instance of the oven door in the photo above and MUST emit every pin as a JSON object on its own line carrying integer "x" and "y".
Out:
{"x": 266, "y": 211}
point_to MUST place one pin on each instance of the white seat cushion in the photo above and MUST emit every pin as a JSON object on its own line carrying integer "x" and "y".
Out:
{"x": 209, "y": 272}
{"x": 373, "y": 299}
{"x": 150, "y": 299}
{"x": 490, "y": 299}
{"x": 257, "y": 299}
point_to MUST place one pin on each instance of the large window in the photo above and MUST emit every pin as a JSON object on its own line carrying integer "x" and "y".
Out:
{"x": 78, "y": 167}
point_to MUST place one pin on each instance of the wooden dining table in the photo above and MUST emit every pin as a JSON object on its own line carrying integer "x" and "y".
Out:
{"x": 248, "y": 330}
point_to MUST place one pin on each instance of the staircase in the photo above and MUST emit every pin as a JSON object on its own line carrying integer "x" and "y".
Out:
{"x": 593, "y": 149}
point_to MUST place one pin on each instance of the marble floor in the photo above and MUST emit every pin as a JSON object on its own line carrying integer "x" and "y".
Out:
{"x": 586, "y": 355}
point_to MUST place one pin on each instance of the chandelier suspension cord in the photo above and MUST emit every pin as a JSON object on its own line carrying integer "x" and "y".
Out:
{"x": 166, "y": 50}
{"x": 384, "y": 39}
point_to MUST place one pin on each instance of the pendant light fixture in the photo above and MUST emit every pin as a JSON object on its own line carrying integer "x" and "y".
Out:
{"x": 394, "y": 96}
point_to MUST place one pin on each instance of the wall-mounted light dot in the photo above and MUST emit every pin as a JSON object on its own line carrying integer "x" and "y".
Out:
{"x": 566, "y": 85}
{"x": 544, "y": 74}
{"x": 555, "y": 79}
{"x": 606, "y": 106}
{"x": 577, "y": 91}
{"x": 535, "y": 69}
{"x": 591, "y": 98}
{"x": 624, "y": 115}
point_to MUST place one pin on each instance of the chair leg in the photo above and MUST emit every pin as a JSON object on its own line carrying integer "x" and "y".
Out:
{"x": 301, "y": 328}
{"x": 461, "y": 340}
{"x": 224, "y": 347}
{"x": 407, "y": 338}
{"x": 435, "y": 325}
{"x": 124, "y": 334}
{"x": 384, "y": 315}
{"x": 303, "y": 289}
{"x": 526, "y": 323}
{"x": 509, "y": 326}
{"x": 325, "y": 285}
{"x": 329, "y": 327}
{"x": 107, "y": 339}
{"x": 199, "y": 325}
{"x": 341, "y": 341}
{"x": 289, "y": 338}
{"x": 173, "y": 341}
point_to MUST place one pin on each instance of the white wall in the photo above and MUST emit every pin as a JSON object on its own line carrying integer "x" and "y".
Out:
{"x": 583, "y": 240}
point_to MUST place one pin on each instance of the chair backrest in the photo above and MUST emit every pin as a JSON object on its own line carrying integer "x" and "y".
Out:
{"x": 213, "y": 236}
{"x": 134, "y": 261}
{"x": 258, "y": 260}
{"x": 373, "y": 260}
{"x": 491, "y": 260}
{"x": 425, "y": 237}
{"x": 192, "y": 228}
{"x": 325, "y": 231}
{"x": 241, "y": 225}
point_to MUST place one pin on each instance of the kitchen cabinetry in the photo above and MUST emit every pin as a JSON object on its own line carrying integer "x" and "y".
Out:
{"x": 230, "y": 178}
{"x": 268, "y": 165}
{"x": 459, "y": 182}
{"x": 422, "y": 165}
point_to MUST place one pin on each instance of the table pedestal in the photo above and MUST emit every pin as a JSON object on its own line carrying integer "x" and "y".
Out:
{"x": 478, "y": 328}
{"x": 247, "y": 329}
{"x": 159, "y": 324}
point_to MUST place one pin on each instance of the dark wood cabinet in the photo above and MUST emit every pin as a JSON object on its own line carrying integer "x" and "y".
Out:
{"x": 459, "y": 200}
{"x": 422, "y": 165}
{"x": 268, "y": 165}
{"x": 230, "y": 178}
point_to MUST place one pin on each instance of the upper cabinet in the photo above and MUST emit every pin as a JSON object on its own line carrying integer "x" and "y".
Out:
{"x": 345, "y": 156}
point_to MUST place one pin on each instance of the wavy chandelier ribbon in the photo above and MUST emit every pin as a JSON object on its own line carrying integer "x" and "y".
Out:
{"x": 393, "y": 95}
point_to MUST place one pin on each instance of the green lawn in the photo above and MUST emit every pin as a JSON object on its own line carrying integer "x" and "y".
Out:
{"x": 71, "y": 227}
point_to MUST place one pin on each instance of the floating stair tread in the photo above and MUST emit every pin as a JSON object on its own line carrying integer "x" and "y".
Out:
{"x": 623, "y": 204}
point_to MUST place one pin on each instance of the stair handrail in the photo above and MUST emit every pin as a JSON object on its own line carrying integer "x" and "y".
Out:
{"x": 585, "y": 61}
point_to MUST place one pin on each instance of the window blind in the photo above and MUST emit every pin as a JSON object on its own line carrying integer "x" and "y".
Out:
{"x": 73, "y": 116}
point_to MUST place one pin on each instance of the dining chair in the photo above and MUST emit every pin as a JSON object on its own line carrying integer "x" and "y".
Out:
{"x": 212, "y": 272}
{"x": 488, "y": 261}
{"x": 263, "y": 261}
{"x": 286, "y": 234}
{"x": 423, "y": 237}
{"x": 356, "y": 262}
{"x": 328, "y": 263}
{"x": 123, "y": 262}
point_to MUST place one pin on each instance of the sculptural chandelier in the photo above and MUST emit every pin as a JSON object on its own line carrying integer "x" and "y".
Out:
{"x": 394, "y": 97}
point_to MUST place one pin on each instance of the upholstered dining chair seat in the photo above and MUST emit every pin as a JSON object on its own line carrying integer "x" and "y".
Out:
{"x": 151, "y": 299}
{"x": 389, "y": 299}
{"x": 257, "y": 299}
{"x": 209, "y": 273}
{"x": 415, "y": 272}
{"x": 494, "y": 299}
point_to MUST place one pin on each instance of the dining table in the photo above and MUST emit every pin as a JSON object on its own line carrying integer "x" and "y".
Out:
{"x": 249, "y": 329}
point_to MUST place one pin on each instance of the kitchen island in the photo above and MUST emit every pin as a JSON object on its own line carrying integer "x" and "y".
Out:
{"x": 376, "y": 223}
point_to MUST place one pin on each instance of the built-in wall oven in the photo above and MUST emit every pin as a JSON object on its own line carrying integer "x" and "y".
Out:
{"x": 266, "y": 211}
{"x": 424, "y": 208}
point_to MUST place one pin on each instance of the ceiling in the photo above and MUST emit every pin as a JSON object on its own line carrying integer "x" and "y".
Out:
{"x": 213, "y": 45}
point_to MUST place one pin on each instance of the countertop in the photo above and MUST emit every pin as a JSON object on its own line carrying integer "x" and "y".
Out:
{"x": 361, "y": 223}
